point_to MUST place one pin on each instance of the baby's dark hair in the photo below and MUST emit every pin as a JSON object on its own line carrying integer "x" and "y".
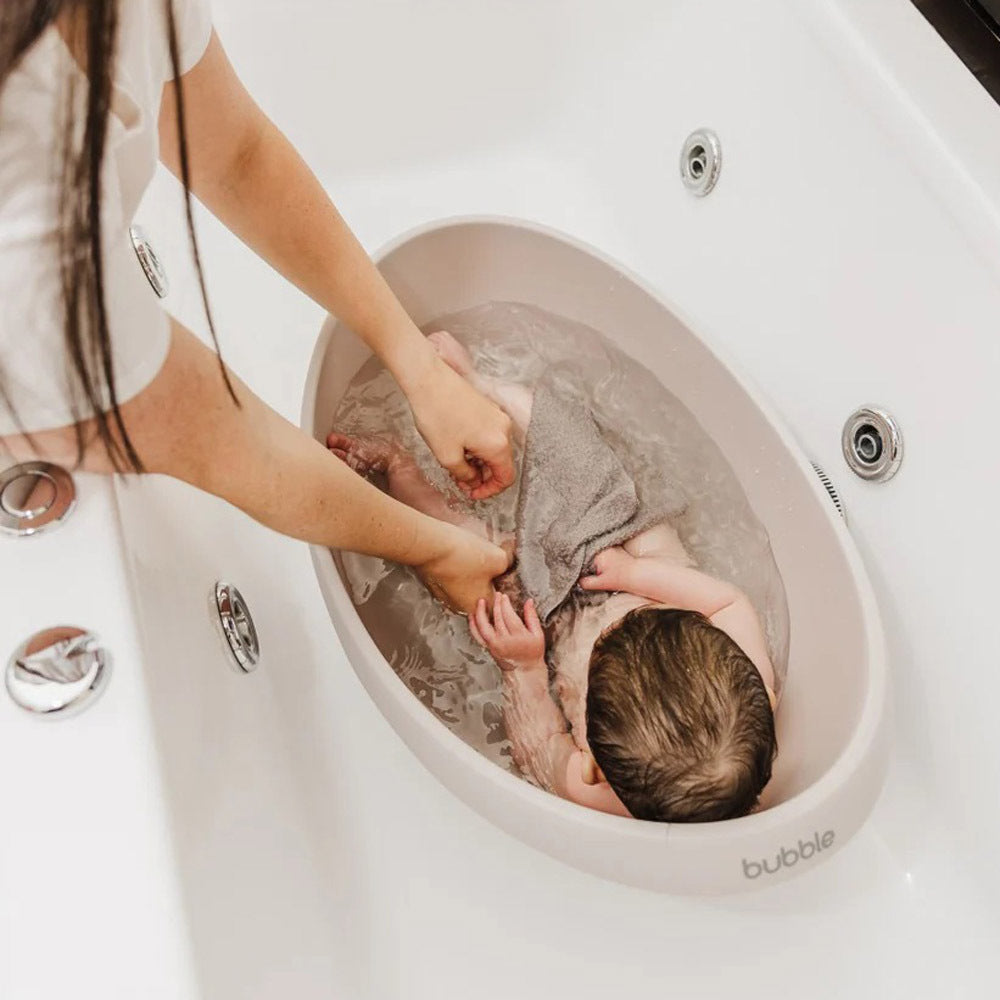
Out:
{"x": 678, "y": 718}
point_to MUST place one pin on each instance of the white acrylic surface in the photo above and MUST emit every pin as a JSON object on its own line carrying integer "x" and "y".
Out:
{"x": 847, "y": 256}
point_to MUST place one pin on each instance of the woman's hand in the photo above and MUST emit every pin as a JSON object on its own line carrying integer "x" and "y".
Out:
{"x": 462, "y": 574}
{"x": 514, "y": 644}
{"x": 612, "y": 568}
{"x": 468, "y": 434}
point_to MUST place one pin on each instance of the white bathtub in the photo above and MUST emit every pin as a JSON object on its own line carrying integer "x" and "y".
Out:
{"x": 201, "y": 834}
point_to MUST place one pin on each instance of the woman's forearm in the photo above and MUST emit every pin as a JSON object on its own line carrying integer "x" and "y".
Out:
{"x": 185, "y": 425}
{"x": 317, "y": 252}
{"x": 253, "y": 180}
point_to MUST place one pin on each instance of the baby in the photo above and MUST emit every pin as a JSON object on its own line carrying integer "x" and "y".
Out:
{"x": 650, "y": 691}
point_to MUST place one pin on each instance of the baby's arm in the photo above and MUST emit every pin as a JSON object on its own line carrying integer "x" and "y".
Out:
{"x": 536, "y": 726}
{"x": 662, "y": 579}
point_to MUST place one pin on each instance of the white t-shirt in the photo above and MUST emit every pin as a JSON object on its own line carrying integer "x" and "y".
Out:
{"x": 33, "y": 362}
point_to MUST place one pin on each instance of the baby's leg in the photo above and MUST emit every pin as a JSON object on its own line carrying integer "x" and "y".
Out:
{"x": 515, "y": 400}
{"x": 369, "y": 453}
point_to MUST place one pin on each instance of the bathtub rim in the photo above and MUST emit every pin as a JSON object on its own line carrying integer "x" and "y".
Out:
{"x": 865, "y": 750}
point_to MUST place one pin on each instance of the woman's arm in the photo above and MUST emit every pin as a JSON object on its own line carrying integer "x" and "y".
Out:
{"x": 250, "y": 176}
{"x": 185, "y": 425}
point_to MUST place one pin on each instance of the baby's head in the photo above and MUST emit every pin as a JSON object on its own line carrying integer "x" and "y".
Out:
{"x": 678, "y": 718}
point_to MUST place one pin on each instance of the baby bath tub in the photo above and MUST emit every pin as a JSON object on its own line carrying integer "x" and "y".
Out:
{"x": 831, "y": 724}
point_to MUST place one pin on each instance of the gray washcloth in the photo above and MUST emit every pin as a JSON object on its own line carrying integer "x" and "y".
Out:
{"x": 576, "y": 497}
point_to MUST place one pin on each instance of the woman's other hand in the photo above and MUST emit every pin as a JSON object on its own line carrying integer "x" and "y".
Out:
{"x": 469, "y": 435}
{"x": 462, "y": 574}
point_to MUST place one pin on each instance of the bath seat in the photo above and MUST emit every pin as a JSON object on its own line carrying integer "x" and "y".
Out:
{"x": 831, "y": 726}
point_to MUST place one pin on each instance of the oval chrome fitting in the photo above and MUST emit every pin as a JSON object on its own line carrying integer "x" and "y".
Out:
{"x": 155, "y": 273}
{"x": 238, "y": 627}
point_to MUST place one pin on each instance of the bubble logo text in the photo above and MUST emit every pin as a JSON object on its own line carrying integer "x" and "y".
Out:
{"x": 788, "y": 857}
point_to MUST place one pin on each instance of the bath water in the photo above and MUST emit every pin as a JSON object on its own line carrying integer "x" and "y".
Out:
{"x": 659, "y": 442}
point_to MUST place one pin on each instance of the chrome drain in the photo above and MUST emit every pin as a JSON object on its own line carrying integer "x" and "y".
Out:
{"x": 34, "y": 497}
{"x": 58, "y": 672}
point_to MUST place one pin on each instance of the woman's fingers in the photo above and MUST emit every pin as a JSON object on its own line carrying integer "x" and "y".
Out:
{"x": 498, "y": 471}
{"x": 473, "y": 488}
{"x": 462, "y": 470}
{"x": 469, "y": 435}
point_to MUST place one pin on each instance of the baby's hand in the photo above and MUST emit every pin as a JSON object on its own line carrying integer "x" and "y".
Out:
{"x": 611, "y": 568}
{"x": 513, "y": 643}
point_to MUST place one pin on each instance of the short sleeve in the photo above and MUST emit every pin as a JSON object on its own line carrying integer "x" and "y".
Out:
{"x": 41, "y": 391}
{"x": 194, "y": 29}
{"x": 35, "y": 377}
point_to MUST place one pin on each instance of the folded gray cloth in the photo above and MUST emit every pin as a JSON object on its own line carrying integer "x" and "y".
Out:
{"x": 576, "y": 496}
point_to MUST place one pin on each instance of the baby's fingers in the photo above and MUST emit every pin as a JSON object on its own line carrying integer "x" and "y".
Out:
{"x": 499, "y": 622}
{"x": 531, "y": 618}
{"x": 513, "y": 624}
{"x": 486, "y": 635}
{"x": 474, "y": 629}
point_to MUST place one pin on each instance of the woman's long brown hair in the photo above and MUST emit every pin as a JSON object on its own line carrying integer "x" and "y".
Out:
{"x": 81, "y": 245}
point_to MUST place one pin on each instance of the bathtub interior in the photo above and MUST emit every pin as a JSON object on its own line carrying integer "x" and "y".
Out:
{"x": 450, "y": 267}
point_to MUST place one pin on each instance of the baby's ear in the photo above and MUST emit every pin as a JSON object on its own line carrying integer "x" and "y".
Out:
{"x": 589, "y": 771}
{"x": 586, "y": 785}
